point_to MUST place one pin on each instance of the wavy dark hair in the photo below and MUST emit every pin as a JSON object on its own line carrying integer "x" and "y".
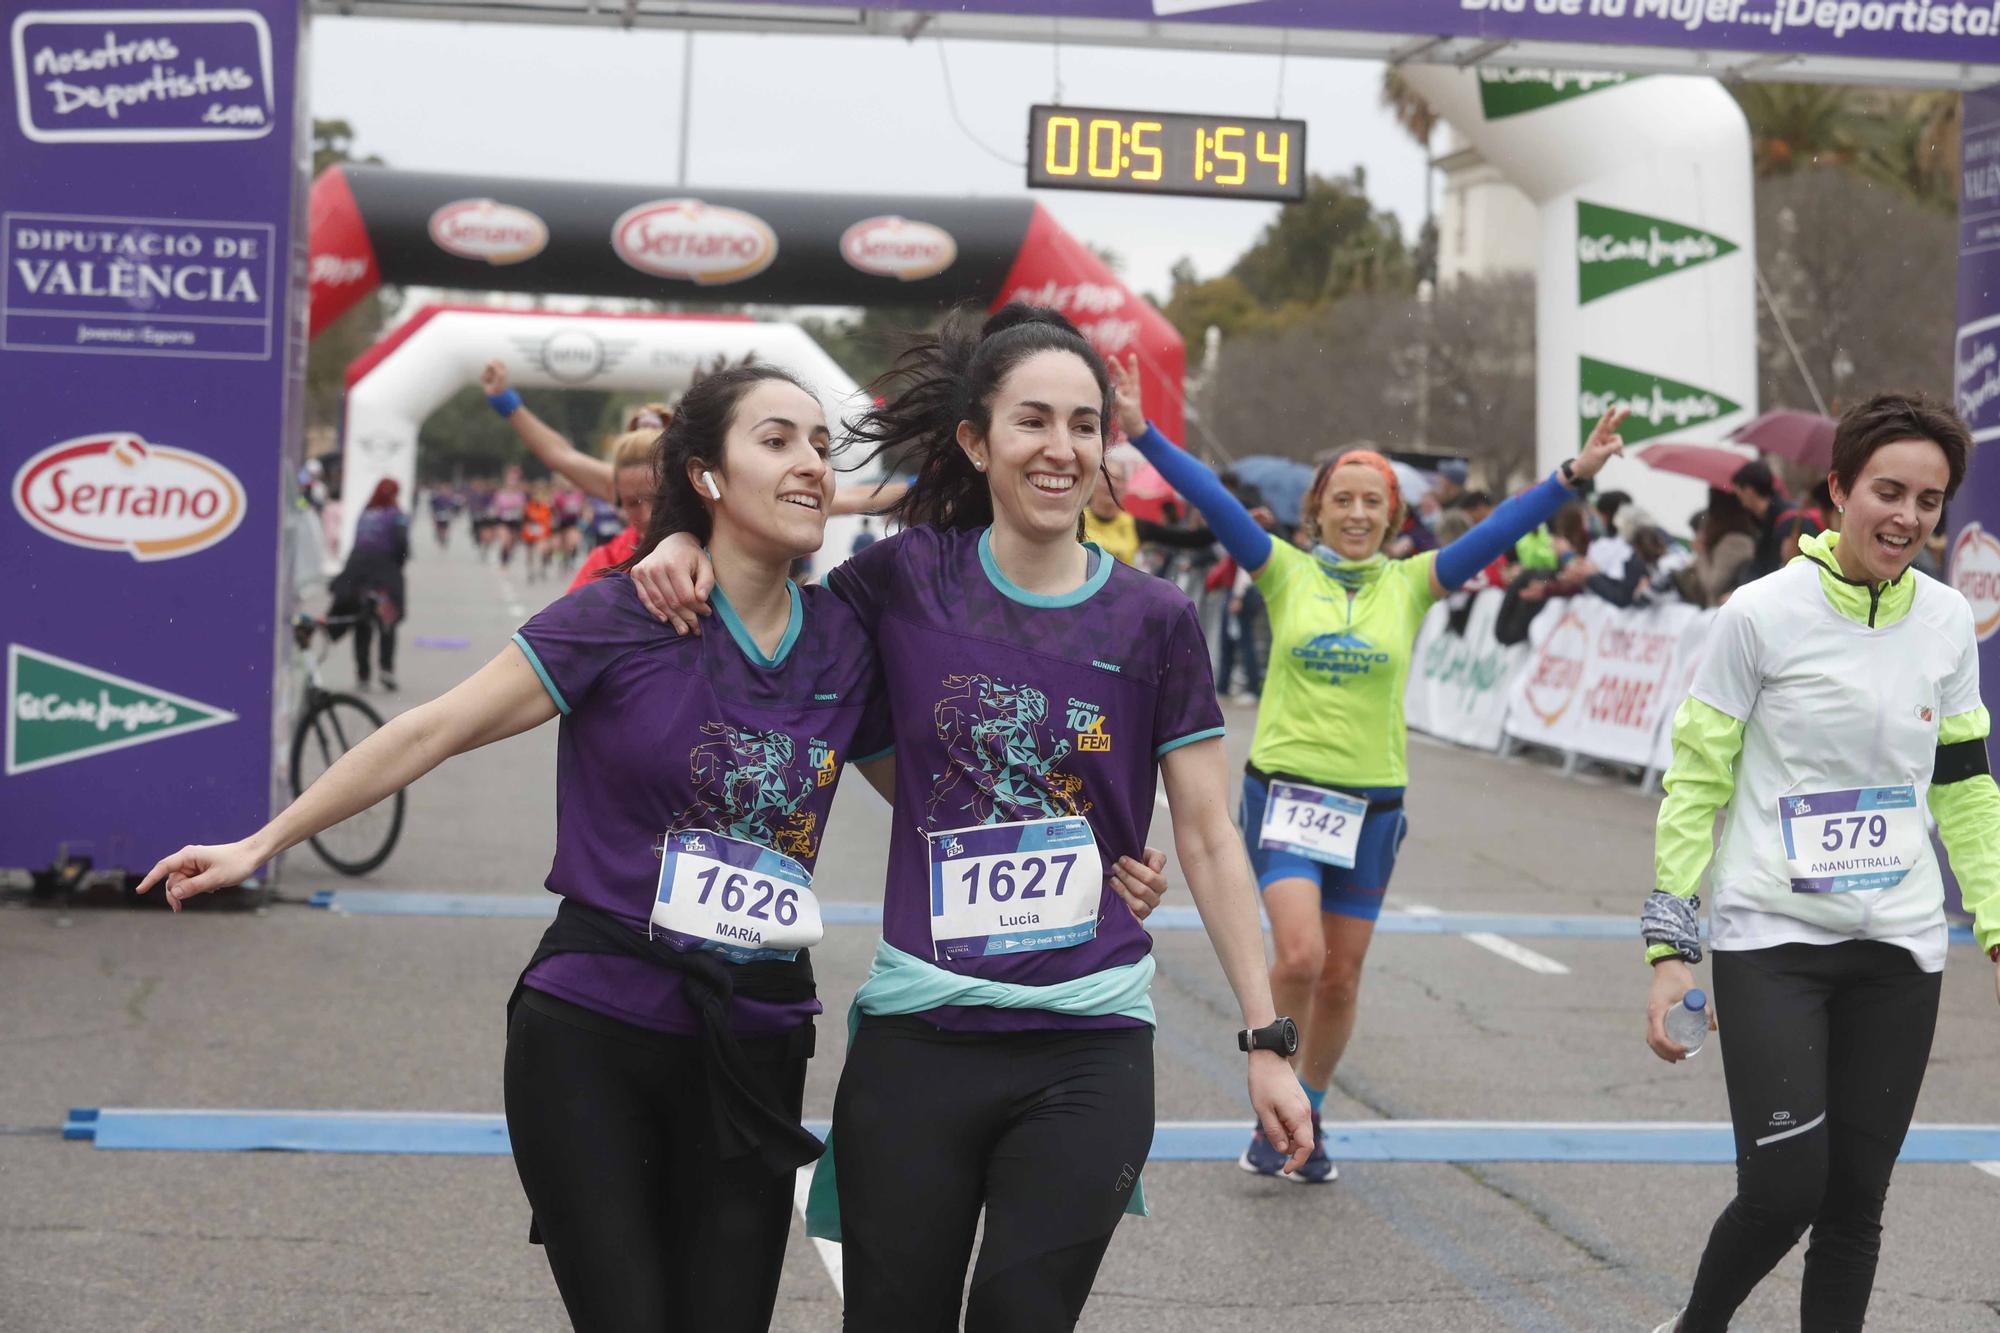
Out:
{"x": 950, "y": 376}
{"x": 697, "y": 435}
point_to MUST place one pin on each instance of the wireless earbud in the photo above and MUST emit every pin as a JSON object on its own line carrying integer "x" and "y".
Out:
{"x": 708, "y": 480}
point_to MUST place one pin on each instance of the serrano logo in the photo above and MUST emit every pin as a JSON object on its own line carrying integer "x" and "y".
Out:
{"x": 1558, "y": 669}
{"x": 695, "y": 242}
{"x": 115, "y": 492}
{"x": 487, "y": 230}
{"x": 898, "y": 248}
{"x": 1975, "y": 572}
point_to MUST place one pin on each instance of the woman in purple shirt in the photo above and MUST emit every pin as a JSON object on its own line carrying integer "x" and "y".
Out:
{"x": 1003, "y": 1056}
{"x": 657, "y": 1042}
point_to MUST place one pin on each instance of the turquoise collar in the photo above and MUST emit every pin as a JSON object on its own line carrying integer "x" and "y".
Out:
{"x": 742, "y": 635}
{"x": 1100, "y": 573}
{"x": 1350, "y": 574}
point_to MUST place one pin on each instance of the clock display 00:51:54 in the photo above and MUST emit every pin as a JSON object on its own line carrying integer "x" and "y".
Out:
{"x": 1080, "y": 148}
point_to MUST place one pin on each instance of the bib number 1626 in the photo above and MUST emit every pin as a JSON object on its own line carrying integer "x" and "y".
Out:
{"x": 737, "y": 891}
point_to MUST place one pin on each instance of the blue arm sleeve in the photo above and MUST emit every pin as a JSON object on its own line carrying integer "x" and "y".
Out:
{"x": 1496, "y": 534}
{"x": 1233, "y": 526}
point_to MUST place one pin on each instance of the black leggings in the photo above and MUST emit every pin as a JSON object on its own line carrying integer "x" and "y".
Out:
{"x": 1823, "y": 1048}
{"x": 644, "y": 1227}
{"x": 1046, "y": 1130}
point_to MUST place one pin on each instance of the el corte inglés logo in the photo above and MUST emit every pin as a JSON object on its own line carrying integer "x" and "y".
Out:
{"x": 695, "y": 242}
{"x": 898, "y": 248}
{"x": 115, "y": 492}
{"x": 488, "y": 230}
{"x": 1616, "y": 249}
{"x": 1657, "y": 404}
{"x": 1975, "y": 572}
{"x": 59, "y": 711}
{"x": 1509, "y": 92}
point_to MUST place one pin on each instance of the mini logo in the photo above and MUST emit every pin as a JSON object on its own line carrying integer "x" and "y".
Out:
{"x": 694, "y": 242}
{"x": 59, "y": 711}
{"x": 898, "y": 248}
{"x": 1801, "y": 806}
{"x": 115, "y": 492}
{"x": 953, "y": 847}
{"x": 1975, "y": 572}
{"x": 1087, "y": 721}
{"x": 488, "y": 230}
{"x": 572, "y": 355}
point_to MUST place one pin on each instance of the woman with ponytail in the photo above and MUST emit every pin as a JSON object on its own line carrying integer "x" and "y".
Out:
{"x": 1322, "y": 796}
{"x": 1001, "y": 1051}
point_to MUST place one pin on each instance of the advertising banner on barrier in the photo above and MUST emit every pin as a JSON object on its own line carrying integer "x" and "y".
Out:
{"x": 1460, "y": 683}
{"x": 1687, "y": 660}
{"x": 148, "y": 189}
{"x": 1598, "y": 682}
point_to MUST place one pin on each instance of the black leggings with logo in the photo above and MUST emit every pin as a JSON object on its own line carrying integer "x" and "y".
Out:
{"x": 1823, "y": 1048}
{"x": 1047, "y": 1131}
{"x": 646, "y": 1228}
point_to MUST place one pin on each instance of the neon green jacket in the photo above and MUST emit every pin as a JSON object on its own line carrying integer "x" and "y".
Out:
{"x": 1707, "y": 741}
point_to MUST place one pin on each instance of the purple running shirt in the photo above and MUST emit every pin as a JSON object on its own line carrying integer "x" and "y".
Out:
{"x": 663, "y": 734}
{"x": 1015, "y": 706}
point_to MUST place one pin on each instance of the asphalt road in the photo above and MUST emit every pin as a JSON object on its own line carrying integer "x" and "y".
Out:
{"x": 297, "y": 1008}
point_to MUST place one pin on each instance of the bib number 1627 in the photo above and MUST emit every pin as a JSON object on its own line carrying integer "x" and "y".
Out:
{"x": 1006, "y": 880}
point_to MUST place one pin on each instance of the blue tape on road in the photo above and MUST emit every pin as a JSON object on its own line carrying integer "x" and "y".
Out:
{"x": 447, "y": 1134}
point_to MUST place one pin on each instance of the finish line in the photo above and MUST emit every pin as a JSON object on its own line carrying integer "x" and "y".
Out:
{"x": 449, "y": 1134}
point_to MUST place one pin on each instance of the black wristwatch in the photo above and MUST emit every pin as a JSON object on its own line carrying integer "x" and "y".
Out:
{"x": 1568, "y": 469}
{"x": 1281, "y": 1036}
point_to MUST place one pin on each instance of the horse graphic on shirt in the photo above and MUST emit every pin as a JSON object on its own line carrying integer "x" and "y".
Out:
{"x": 996, "y": 767}
{"x": 746, "y": 787}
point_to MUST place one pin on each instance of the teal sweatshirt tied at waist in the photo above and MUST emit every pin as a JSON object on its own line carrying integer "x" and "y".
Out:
{"x": 901, "y": 983}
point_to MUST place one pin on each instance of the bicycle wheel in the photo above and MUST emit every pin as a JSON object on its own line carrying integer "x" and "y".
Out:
{"x": 334, "y": 724}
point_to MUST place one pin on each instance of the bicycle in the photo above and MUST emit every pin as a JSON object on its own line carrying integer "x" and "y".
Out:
{"x": 330, "y": 724}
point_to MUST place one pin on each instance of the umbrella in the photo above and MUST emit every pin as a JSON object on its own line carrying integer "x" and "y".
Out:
{"x": 1282, "y": 481}
{"x": 1711, "y": 463}
{"x": 1805, "y": 438}
{"x": 1145, "y": 492}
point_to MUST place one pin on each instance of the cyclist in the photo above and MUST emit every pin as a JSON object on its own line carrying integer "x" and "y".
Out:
{"x": 1836, "y": 699}
{"x": 1322, "y": 806}
{"x": 1001, "y": 1051}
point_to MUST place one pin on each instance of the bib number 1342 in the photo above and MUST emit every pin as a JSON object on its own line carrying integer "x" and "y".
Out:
{"x": 1014, "y": 888}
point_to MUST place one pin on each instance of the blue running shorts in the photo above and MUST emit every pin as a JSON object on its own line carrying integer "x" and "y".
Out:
{"x": 1358, "y": 892}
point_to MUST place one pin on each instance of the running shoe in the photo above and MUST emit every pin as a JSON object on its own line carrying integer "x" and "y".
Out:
{"x": 1260, "y": 1158}
{"x": 1671, "y": 1326}
{"x": 388, "y": 682}
{"x": 1318, "y": 1168}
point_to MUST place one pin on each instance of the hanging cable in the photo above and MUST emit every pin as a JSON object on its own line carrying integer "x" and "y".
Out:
{"x": 1284, "y": 52}
{"x": 1055, "y": 51}
{"x": 951, "y": 102}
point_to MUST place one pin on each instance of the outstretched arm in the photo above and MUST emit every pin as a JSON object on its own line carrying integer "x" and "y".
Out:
{"x": 592, "y": 476}
{"x": 1234, "y": 528}
{"x": 502, "y": 699}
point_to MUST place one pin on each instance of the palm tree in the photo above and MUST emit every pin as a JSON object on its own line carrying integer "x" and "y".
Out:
{"x": 1795, "y": 125}
{"x": 1412, "y": 112}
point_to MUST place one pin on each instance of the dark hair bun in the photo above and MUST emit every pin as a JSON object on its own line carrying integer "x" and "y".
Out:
{"x": 1018, "y": 313}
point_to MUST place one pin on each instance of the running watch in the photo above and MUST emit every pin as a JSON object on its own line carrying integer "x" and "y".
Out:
{"x": 1281, "y": 1036}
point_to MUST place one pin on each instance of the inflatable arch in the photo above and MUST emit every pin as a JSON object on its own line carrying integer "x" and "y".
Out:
{"x": 1645, "y": 287}
{"x": 423, "y": 361}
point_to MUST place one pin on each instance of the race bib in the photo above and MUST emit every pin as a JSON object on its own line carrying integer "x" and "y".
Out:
{"x": 1014, "y": 888}
{"x": 736, "y": 898}
{"x": 1320, "y": 825}
{"x": 1852, "y": 841}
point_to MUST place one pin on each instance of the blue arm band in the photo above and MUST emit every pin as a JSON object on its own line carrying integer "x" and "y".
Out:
{"x": 1495, "y": 535}
{"x": 506, "y": 403}
{"x": 1231, "y": 522}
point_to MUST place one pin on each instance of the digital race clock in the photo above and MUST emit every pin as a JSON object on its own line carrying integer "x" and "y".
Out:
{"x": 1166, "y": 152}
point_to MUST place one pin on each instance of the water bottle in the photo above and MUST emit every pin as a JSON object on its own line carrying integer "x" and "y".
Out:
{"x": 1687, "y": 1022}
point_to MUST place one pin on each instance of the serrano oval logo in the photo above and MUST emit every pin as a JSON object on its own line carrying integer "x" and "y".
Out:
{"x": 693, "y": 241}
{"x": 1975, "y": 571}
{"x": 115, "y": 492}
{"x": 486, "y": 229}
{"x": 898, "y": 248}
{"x": 1558, "y": 669}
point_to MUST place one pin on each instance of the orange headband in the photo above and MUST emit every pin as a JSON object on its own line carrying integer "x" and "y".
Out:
{"x": 1366, "y": 458}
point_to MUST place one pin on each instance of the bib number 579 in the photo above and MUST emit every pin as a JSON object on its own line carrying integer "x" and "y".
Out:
{"x": 1846, "y": 833}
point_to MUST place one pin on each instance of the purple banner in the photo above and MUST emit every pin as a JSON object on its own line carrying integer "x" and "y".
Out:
{"x": 1953, "y": 31}
{"x": 150, "y": 333}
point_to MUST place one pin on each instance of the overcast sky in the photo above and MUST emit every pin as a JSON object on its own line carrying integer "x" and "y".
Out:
{"x": 847, "y": 113}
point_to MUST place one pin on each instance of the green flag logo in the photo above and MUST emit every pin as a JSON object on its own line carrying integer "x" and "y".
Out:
{"x": 1509, "y": 92}
{"x": 1658, "y": 404}
{"x": 59, "y": 711}
{"x": 1616, "y": 249}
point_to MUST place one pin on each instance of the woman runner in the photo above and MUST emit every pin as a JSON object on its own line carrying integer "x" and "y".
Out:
{"x": 1322, "y": 808}
{"x": 1003, "y": 1058}
{"x": 1836, "y": 699}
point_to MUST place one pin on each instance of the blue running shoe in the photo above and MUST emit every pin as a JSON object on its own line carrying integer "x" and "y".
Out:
{"x": 1318, "y": 1168}
{"x": 1260, "y": 1158}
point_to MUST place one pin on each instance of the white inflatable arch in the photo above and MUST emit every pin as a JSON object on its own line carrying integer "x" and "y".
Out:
{"x": 1646, "y": 285}
{"x": 439, "y": 350}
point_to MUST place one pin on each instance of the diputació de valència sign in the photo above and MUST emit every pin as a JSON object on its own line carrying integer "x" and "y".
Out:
{"x": 140, "y": 76}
